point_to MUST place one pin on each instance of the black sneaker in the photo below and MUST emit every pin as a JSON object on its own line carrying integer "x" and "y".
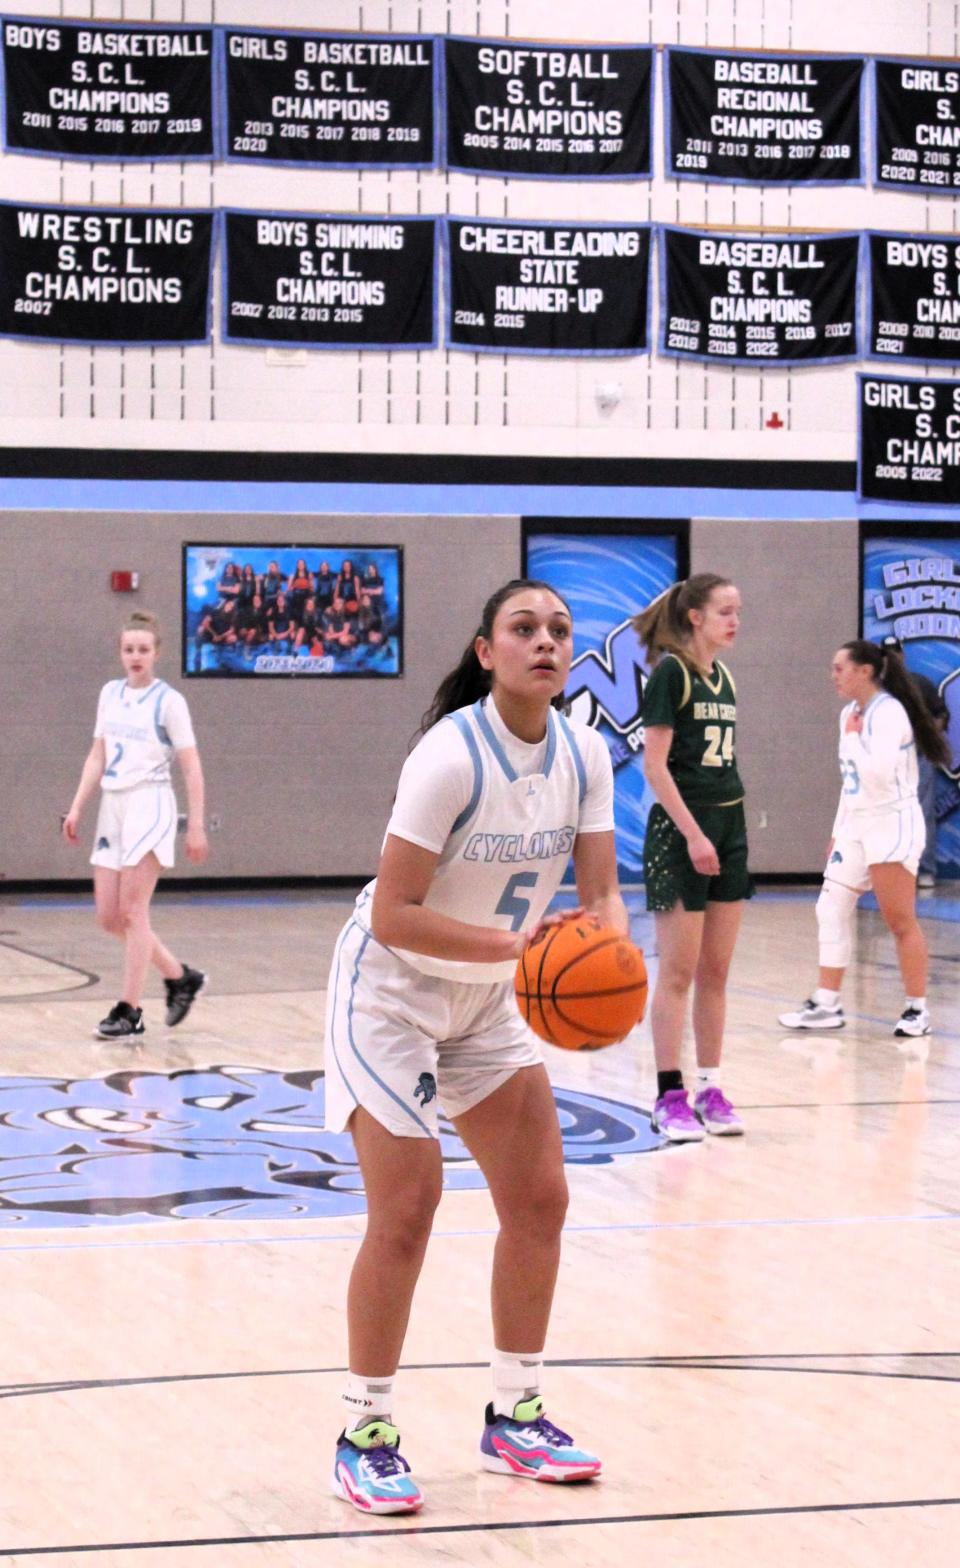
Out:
{"x": 182, "y": 993}
{"x": 121, "y": 1021}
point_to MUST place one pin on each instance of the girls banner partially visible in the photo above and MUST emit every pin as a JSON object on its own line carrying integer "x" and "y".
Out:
{"x": 911, "y": 589}
{"x": 606, "y": 575}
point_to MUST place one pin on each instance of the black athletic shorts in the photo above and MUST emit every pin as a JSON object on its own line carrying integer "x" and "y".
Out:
{"x": 669, "y": 873}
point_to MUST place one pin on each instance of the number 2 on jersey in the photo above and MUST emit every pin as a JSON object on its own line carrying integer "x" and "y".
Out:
{"x": 719, "y": 746}
{"x": 517, "y": 908}
{"x": 110, "y": 771}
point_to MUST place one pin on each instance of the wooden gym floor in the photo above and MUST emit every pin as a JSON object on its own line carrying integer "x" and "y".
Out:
{"x": 759, "y": 1335}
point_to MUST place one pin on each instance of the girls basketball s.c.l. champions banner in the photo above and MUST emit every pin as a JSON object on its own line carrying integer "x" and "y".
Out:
{"x": 916, "y": 133}
{"x": 908, "y": 449}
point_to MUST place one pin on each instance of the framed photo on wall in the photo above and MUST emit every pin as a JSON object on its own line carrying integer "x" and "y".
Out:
{"x": 255, "y": 611}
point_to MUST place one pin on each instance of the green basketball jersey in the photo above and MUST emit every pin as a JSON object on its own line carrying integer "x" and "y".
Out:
{"x": 702, "y": 712}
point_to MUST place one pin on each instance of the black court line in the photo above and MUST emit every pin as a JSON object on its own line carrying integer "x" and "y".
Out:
{"x": 38, "y": 996}
{"x": 692, "y": 1515}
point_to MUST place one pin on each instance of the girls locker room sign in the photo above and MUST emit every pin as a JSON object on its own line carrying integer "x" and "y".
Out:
{"x": 916, "y": 131}
{"x": 75, "y": 90}
{"x": 764, "y": 118}
{"x": 96, "y": 275}
{"x": 326, "y": 98}
{"x": 790, "y": 300}
{"x": 914, "y": 297}
{"x": 909, "y": 442}
{"x": 548, "y": 111}
{"x": 547, "y": 288}
{"x": 329, "y": 281}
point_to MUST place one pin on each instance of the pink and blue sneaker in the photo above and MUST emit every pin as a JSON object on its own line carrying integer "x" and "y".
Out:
{"x": 716, "y": 1113}
{"x": 527, "y": 1444}
{"x": 370, "y": 1472}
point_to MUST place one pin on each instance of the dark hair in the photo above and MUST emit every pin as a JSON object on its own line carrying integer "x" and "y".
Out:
{"x": 664, "y": 626}
{"x": 469, "y": 680}
{"x": 892, "y": 674}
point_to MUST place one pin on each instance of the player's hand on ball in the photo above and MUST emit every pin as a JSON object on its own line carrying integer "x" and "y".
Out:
{"x": 525, "y": 938}
{"x": 197, "y": 847}
{"x": 704, "y": 855}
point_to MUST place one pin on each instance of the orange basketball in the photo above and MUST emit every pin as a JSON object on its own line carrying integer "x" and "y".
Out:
{"x": 580, "y": 984}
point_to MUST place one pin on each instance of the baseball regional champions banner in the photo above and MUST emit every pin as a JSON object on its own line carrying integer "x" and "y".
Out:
{"x": 547, "y": 288}
{"x": 916, "y": 130}
{"x": 789, "y": 299}
{"x": 548, "y": 111}
{"x": 764, "y": 118}
{"x": 914, "y": 296}
{"x": 97, "y": 275}
{"x": 329, "y": 281}
{"x": 909, "y": 442}
{"x": 911, "y": 588}
{"x": 328, "y": 98}
{"x": 78, "y": 90}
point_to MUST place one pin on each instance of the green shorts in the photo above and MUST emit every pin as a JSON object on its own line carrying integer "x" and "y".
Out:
{"x": 669, "y": 872}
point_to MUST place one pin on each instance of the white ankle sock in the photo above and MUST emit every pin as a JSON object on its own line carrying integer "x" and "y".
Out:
{"x": 826, "y": 998}
{"x": 364, "y": 1399}
{"x": 708, "y": 1077}
{"x": 919, "y": 1002}
{"x": 515, "y": 1377}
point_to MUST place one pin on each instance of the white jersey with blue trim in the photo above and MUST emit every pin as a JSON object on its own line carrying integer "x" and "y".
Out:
{"x": 141, "y": 730}
{"x": 878, "y": 762}
{"x": 502, "y": 815}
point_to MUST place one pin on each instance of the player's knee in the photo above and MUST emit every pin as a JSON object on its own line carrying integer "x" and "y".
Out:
{"x": 901, "y": 923}
{"x": 676, "y": 976}
{"x": 404, "y": 1227}
{"x": 542, "y": 1208}
{"x": 109, "y": 920}
{"x": 835, "y": 912}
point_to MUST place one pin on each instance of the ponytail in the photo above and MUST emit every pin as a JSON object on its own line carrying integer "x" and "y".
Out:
{"x": 890, "y": 672}
{"x": 664, "y": 626}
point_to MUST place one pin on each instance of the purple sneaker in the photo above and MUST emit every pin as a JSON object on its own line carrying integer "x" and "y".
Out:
{"x": 527, "y": 1444}
{"x": 673, "y": 1118}
{"x": 716, "y": 1113}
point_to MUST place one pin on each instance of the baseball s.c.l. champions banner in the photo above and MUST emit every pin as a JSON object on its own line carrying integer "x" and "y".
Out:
{"x": 763, "y": 118}
{"x": 916, "y": 131}
{"x": 82, "y": 90}
{"x": 548, "y": 111}
{"x": 908, "y": 449}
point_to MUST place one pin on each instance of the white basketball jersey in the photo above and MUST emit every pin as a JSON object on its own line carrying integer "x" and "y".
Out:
{"x": 141, "y": 730}
{"x": 878, "y": 764}
{"x": 502, "y": 815}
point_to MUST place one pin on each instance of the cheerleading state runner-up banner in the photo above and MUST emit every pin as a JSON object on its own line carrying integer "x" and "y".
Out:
{"x": 548, "y": 111}
{"x": 916, "y": 131}
{"x": 77, "y": 90}
{"x": 606, "y": 579}
{"x": 96, "y": 275}
{"x": 330, "y": 281}
{"x": 749, "y": 300}
{"x": 325, "y": 98}
{"x": 911, "y": 588}
{"x": 913, "y": 297}
{"x": 763, "y": 118}
{"x": 547, "y": 288}
{"x": 908, "y": 448}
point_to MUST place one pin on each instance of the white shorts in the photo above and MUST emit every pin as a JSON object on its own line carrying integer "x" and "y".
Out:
{"x": 874, "y": 838}
{"x": 402, "y": 1044}
{"x": 133, "y": 823}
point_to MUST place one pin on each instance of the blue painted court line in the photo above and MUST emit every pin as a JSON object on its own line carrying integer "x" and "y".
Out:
{"x": 224, "y": 900}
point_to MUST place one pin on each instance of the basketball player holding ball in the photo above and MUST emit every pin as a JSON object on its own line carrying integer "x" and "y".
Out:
{"x": 695, "y": 851}
{"x": 491, "y": 802}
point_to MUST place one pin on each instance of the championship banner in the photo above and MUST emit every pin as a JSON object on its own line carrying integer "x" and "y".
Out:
{"x": 790, "y": 299}
{"x": 914, "y": 296}
{"x": 908, "y": 448}
{"x": 82, "y": 90}
{"x": 916, "y": 130}
{"x": 99, "y": 275}
{"x": 911, "y": 588}
{"x": 334, "y": 99}
{"x": 548, "y": 111}
{"x": 329, "y": 281}
{"x": 606, "y": 577}
{"x": 764, "y": 118}
{"x": 547, "y": 288}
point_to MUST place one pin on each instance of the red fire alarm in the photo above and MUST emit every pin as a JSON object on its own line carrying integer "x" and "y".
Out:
{"x": 124, "y": 582}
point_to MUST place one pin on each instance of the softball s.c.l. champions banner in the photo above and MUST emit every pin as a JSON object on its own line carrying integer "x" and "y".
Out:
{"x": 606, "y": 578}
{"x": 763, "y": 118}
{"x": 548, "y": 111}
{"x": 79, "y": 90}
{"x": 916, "y": 134}
{"x": 911, "y": 588}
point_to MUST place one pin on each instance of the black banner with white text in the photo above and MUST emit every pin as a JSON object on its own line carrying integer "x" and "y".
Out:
{"x": 909, "y": 442}
{"x": 914, "y": 297}
{"x": 916, "y": 132}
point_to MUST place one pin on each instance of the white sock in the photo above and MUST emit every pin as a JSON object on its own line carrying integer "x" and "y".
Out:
{"x": 826, "y": 998}
{"x": 919, "y": 1002}
{"x": 708, "y": 1077}
{"x": 364, "y": 1399}
{"x": 515, "y": 1377}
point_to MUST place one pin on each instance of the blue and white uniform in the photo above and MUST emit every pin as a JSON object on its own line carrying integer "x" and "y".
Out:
{"x": 879, "y": 818}
{"x": 140, "y": 731}
{"x": 404, "y": 1030}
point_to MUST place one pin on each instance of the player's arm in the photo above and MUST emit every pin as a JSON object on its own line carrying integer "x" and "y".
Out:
{"x": 400, "y": 918}
{"x": 196, "y": 841}
{"x": 658, "y": 739}
{"x": 90, "y": 776}
{"x": 595, "y": 867}
{"x": 882, "y": 743}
